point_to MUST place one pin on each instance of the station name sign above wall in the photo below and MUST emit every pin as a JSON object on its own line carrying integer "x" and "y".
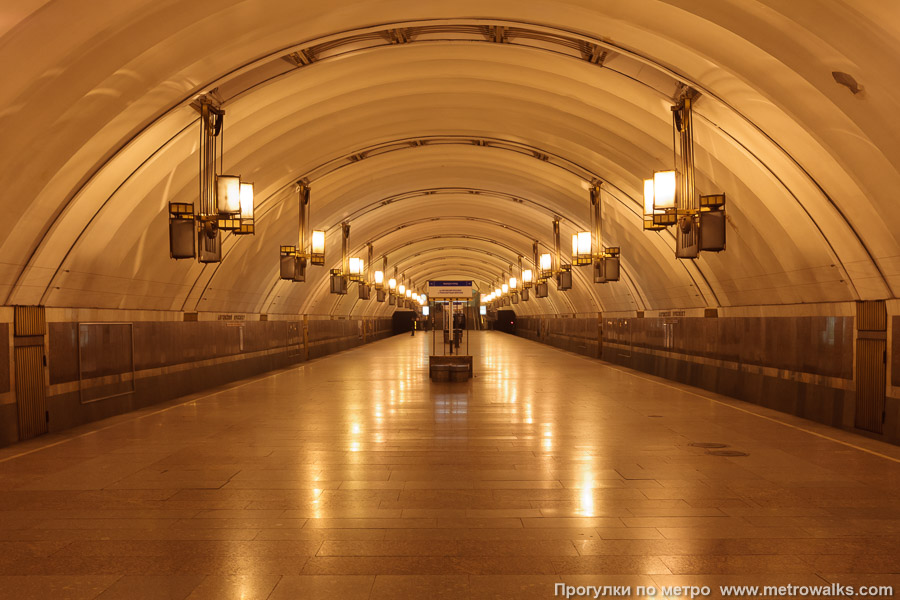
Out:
{"x": 442, "y": 290}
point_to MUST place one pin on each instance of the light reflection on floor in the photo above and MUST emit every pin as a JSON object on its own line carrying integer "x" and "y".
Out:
{"x": 354, "y": 476}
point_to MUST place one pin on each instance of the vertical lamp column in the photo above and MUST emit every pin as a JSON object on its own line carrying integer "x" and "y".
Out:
{"x": 687, "y": 230}
{"x": 300, "y": 257}
{"x": 379, "y": 281}
{"x": 597, "y": 227}
{"x": 364, "y": 289}
{"x": 392, "y": 289}
{"x": 543, "y": 265}
{"x": 209, "y": 240}
{"x": 527, "y": 276}
{"x": 564, "y": 271}
{"x": 606, "y": 259}
{"x": 339, "y": 276}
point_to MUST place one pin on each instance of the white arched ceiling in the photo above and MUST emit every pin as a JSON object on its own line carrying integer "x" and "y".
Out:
{"x": 449, "y": 142}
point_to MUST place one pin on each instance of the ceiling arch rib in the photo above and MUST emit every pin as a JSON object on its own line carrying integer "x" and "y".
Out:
{"x": 448, "y": 267}
{"x": 533, "y": 36}
{"x": 397, "y": 243}
{"x": 407, "y": 261}
{"x": 521, "y": 236}
{"x": 457, "y": 270}
{"x": 578, "y": 205}
{"x": 373, "y": 159}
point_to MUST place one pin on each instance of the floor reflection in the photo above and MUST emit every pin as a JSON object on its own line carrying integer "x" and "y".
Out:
{"x": 354, "y": 476}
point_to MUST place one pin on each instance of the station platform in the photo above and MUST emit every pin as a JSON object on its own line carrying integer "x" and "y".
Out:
{"x": 354, "y": 476}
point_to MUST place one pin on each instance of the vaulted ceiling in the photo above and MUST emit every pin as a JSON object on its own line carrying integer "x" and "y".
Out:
{"x": 449, "y": 135}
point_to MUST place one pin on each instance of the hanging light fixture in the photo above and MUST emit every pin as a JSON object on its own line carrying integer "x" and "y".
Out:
{"x": 182, "y": 228}
{"x": 339, "y": 276}
{"x": 543, "y": 267}
{"x": 247, "y": 225}
{"x": 514, "y": 289}
{"x": 317, "y": 248}
{"x": 712, "y": 223}
{"x": 301, "y": 256}
{"x": 523, "y": 284}
{"x": 654, "y": 219}
{"x": 246, "y": 201}
{"x": 675, "y": 199}
{"x": 665, "y": 187}
{"x": 228, "y": 194}
{"x": 380, "y": 291}
{"x": 364, "y": 289}
{"x": 564, "y": 271}
{"x": 356, "y": 268}
{"x": 606, "y": 259}
{"x": 582, "y": 253}
{"x": 208, "y": 248}
{"x": 288, "y": 262}
{"x": 546, "y": 266}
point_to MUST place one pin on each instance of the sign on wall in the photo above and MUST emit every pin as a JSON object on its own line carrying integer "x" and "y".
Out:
{"x": 444, "y": 290}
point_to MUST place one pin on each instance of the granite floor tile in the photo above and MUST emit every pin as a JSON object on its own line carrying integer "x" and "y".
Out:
{"x": 241, "y": 587}
{"x": 151, "y": 587}
{"x": 412, "y": 587}
{"x": 345, "y": 587}
{"x": 57, "y": 587}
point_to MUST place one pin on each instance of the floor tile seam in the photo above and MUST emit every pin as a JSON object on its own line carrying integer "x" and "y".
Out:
{"x": 274, "y": 587}
{"x": 103, "y": 591}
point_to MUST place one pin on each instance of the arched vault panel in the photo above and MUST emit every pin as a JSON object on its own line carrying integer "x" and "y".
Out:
{"x": 99, "y": 138}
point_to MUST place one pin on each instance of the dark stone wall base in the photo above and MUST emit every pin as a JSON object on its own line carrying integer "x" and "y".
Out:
{"x": 9, "y": 424}
{"x": 570, "y": 343}
{"x": 66, "y": 410}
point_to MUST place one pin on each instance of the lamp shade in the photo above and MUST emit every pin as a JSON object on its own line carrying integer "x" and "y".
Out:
{"x": 228, "y": 194}
{"x": 664, "y": 186}
{"x": 584, "y": 242}
{"x": 379, "y": 280}
{"x": 392, "y": 283}
{"x": 527, "y": 276}
{"x": 581, "y": 248}
{"x": 401, "y": 289}
{"x": 648, "y": 196}
{"x": 545, "y": 262}
{"x": 504, "y": 288}
{"x": 356, "y": 265}
{"x": 513, "y": 283}
{"x": 246, "y": 200}
{"x": 409, "y": 293}
{"x": 318, "y": 242}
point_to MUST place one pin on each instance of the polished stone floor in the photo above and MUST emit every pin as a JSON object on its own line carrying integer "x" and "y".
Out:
{"x": 353, "y": 476}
